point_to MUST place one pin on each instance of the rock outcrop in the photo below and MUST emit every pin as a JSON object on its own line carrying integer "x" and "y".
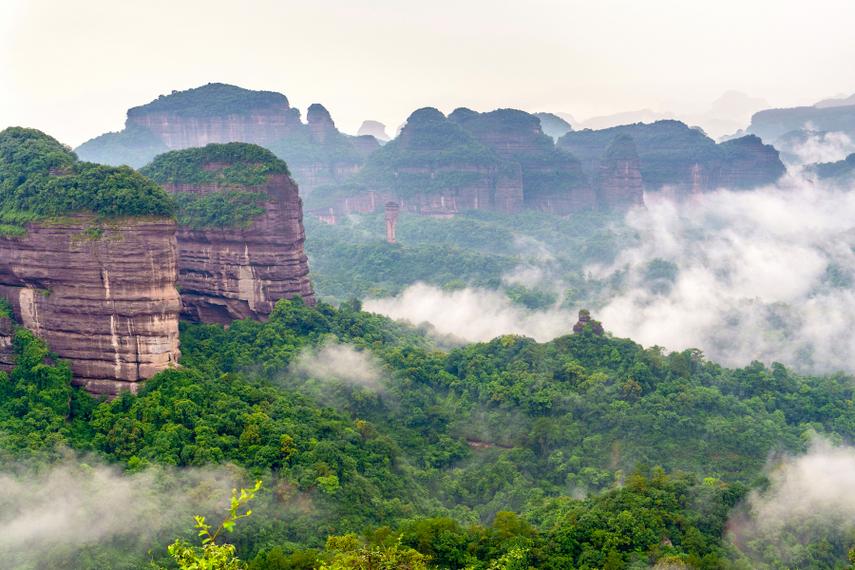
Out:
{"x": 619, "y": 181}
{"x": 93, "y": 271}
{"x": 217, "y": 113}
{"x": 586, "y": 322}
{"x": 374, "y": 129}
{"x": 553, "y": 180}
{"x": 7, "y": 351}
{"x": 679, "y": 158}
{"x": 102, "y": 296}
{"x": 236, "y": 262}
{"x": 432, "y": 167}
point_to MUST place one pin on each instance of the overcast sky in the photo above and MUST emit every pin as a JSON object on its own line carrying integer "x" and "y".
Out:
{"x": 73, "y": 68}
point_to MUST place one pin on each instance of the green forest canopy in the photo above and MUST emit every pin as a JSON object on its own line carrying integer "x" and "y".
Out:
{"x": 41, "y": 178}
{"x": 471, "y": 457}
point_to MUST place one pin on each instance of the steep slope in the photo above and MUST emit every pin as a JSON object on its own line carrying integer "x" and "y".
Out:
{"x": 770, "y": 124}
{"x": 684, "y": 159}
{"x": 220, "y": 113}
{"x": 433, "y": 166}
{"x": 240, "y": 235}
{"x": 553, "y": 181}
{"x": 88, "y": 262}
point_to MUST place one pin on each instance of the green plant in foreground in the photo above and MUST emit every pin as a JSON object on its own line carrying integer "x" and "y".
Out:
{"x": 213, "y": 556}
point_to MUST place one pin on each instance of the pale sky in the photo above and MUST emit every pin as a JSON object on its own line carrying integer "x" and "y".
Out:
{"x": 72, "y": 68}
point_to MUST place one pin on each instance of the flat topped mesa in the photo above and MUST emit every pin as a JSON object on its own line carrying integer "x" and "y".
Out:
{"x": 240, "y": 233}
{"x": 93, "y": 270}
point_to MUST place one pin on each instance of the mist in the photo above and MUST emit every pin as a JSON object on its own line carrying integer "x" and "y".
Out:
{"x": 761, "y": 275}
{"x": 341, "y": 362}
{"x": 809, "y": 499}
{"x": 471, "y": 314}
{"x": 58, "y": 510}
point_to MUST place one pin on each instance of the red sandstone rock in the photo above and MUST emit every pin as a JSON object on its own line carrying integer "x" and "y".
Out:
{"x": 236, "y": 273}
{"x": 105, "y": 303}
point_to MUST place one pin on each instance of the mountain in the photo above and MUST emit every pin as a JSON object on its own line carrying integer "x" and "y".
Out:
{"x": 553, "y": 125}
{"x": 218, "y": 113}
{"x": 673, "y": 155}
{"x": 240, "y": 230}
{"x": 88, "y": 261}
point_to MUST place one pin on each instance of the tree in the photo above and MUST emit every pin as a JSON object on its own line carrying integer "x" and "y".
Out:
{"x": 213, "y": 556}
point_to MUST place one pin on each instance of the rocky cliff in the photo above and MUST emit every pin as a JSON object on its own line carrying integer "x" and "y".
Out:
{"x": 619, "y": 182}
{"x": 839, "y": 172}
{"x": 432, "y": 167}
{"x": 102, "y": 297}
{"x": 93, "y": 270}
{"x": 771, "y": 124}
{"x": 683, "y": 159}
{"x": 217, "y": 113}
{"x": 553, "y": 180}
{"x": 240, "y": 235}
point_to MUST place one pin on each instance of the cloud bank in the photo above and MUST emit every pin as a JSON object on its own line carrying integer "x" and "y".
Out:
{"x": 766, "y": 275}
{"x": 471, "y": 315}
{"x": 809, "y": 499}
{"x": 341, "y": 362}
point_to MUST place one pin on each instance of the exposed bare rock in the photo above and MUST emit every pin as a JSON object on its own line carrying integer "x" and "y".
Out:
{"x": 102, "y": 296}
{"x": 236, "y": 267}
{"x": 585, "y": 322}
{"x": 7, "y": 352}
{"x": 553, "y": 180}
{"x": 619, "y": 179}
{"x": 375, "y": 129}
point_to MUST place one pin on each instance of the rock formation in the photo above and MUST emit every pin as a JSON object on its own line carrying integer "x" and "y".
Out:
{"x": 316, "y": 151}
{"x": 102, "y": 297}
{"x": 553, "y": 181}
{"x": 7, "y": 351}
{"x": 840, "y": 172}
{"x": 93, "y": 272}
{"x": 375, "y": 129}
{"x": 240, "y": 234}
{"x": 619, "y": 183}
{"x": 585, "y": 321}
{"x": 553, "y": 125}
{"x": 433, "y": 167}
{"x": 682, "y": 159}
{"x": 771, "y": 124}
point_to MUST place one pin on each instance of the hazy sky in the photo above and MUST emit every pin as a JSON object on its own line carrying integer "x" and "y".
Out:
{"x": 73, "y": 68}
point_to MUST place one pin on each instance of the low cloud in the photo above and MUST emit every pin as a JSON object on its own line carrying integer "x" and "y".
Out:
{"x": 341, "y": 362}
{"x": 764, "y": 275}
{"x": 67, "y": 507}
{"x": 809, "y": 499}
{"x": 767, "y": 274}
{"x": 823, "y": 147}
{"x": 471, "y": 315}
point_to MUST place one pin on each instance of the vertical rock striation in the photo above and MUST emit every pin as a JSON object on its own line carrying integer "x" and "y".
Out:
{"x": 240, "y": 234}
{"x": 619, "y": 182}
{"x": 102, "y": 296}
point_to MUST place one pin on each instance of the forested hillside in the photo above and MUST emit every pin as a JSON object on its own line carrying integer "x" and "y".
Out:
{"x": 584, "y": 452}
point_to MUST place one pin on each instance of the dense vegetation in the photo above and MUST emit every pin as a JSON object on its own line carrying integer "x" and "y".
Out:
{"x": 213, "y": 99}
{"x": 476, "y": 249}
{"x": 472, "y": 458}
{"x": 234, "y": 168}
{"x": 40, "y": 178}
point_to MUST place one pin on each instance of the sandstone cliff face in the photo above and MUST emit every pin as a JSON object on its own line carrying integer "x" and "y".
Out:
{"x": 239, "y": 270}
{"x": 680, "y": 159}
{"x": 553, "y": 181}
{"x": 749, "y": 163}
{"x": 103, "y": 299}
{"x": 316, "y": 151}
{"x": 7, "y": 352}
{"x": 619, "y": 182}
{"x": 433, "y": 167}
